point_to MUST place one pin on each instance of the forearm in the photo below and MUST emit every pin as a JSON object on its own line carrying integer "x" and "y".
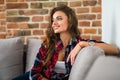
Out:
{"x": 108, "y": 48}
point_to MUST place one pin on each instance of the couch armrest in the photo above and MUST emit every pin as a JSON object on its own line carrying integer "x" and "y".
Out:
{"x": 84, "y": 61}
{"x": 33, "y": 46}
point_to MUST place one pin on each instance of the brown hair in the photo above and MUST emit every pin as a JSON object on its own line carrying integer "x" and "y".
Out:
{"x": 52, "y": 37}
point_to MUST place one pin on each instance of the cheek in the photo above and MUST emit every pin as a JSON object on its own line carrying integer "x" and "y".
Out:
{"x": 60, "y": 23}
{"x": 63, "y": 24}
{"x": 66, "y": 25}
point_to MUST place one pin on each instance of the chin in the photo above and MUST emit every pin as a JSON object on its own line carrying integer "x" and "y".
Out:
{"x": 56, "y": 32}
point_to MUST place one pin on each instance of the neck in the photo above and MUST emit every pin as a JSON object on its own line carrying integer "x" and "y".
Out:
{"x": 65, "y": 38}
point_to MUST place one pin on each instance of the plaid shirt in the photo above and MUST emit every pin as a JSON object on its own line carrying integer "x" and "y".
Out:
{"x": 37, "y": 71}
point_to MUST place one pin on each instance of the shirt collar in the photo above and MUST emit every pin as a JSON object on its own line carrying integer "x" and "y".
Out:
{"x": 59, "y": 44}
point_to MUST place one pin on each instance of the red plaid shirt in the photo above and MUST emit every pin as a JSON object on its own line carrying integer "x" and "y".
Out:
{"x": 37, "y": 71}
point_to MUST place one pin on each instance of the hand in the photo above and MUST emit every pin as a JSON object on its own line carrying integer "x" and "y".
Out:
{"x": 76, "y": 50}
{"x": 73, "y": 54}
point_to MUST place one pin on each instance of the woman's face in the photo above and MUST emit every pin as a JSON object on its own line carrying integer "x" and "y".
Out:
{"x": 60, "y": 22}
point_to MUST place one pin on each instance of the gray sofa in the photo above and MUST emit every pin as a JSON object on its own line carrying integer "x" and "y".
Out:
{"x": 16, "y": 59}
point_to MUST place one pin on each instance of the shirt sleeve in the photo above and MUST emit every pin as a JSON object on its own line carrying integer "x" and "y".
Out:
{"x": 35, "y": 72}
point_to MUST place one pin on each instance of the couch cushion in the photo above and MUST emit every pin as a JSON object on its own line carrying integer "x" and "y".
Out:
{"x": 32, "y": 50}
{"x": 11, "y": 58}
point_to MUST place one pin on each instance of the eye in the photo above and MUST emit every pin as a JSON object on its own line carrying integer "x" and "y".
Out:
{"x": 59, "y": 18}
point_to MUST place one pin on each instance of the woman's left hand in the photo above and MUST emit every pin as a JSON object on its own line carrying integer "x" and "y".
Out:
{"x": 73, "y": 54}
{"x": 75, "y": 51}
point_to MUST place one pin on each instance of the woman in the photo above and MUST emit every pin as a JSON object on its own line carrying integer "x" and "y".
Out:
{"x": 61, "y": 46}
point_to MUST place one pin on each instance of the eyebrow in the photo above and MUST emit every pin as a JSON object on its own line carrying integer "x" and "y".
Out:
{"x": 58, "y": 17}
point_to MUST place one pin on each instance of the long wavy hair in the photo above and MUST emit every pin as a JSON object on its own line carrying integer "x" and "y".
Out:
{"x": 53, "y": 37}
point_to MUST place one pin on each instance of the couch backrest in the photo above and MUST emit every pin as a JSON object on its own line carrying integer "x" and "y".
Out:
{"x": 33, "y": 46}
{"x": 11, "y": 58}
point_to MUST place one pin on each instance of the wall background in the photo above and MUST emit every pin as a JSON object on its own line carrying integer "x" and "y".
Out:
{"x": 111, "y": 22}
{"x": 29, "y": 18}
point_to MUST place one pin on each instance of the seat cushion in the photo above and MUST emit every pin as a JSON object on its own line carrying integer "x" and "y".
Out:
{"x": 11, "y": 58}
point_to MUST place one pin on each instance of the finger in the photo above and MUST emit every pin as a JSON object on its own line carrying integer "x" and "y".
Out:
{"x": 72, "y": 60}
{"x": 68, "y": 58}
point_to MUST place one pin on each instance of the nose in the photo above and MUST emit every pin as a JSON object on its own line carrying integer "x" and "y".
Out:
{"x": 55, "y": 22}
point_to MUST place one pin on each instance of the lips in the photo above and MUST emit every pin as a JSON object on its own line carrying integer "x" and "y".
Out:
{"x": 55, "y": 27}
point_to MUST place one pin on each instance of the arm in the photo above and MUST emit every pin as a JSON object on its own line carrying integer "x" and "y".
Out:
{"x": 35, "y": 73}
{"x": 108, "y": 49}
